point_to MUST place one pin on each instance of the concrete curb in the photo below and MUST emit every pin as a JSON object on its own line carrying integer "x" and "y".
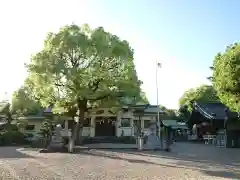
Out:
{"x": 126, "y": 149}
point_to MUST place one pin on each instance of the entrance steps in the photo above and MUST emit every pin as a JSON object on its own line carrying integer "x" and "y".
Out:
{"x": 108, "y": 146}
{"x": 109, "y": 139}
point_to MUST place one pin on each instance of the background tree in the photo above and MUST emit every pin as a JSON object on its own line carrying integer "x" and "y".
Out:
{"x": 171, "y": 113}
{"x": 6, "y": 112}
{"x": 142, "y": 98}
{"x": 23, "y": 103}
{"x": 185, "y": 112}
{"x": 80, "y": 66}
{"x": 202, "y": 94}
{"x": 226, "y": 76}
{"x": 168, "y": 112}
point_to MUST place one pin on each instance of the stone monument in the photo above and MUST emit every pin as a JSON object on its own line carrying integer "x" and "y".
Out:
{"x": 57, "y": 140}
{"x": 153, "y": 141}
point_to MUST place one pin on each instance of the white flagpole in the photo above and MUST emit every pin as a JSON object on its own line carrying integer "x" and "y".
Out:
{"x": 158, "y": 66}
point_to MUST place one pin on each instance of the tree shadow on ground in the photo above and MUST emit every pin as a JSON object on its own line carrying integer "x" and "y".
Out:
{"x": 138, "y": 161}
{"x": 219, "y": 168}
{"x": 12, "y": 152}
{"x": 208, "y": 159}
{"x": 223, "y": 174}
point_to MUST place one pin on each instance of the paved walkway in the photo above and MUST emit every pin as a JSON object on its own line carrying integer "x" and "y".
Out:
{"x": 108, "y": 146}
{"x": 187, "y": 161}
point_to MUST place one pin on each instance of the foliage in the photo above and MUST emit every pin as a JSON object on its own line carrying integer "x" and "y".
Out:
{"x": 5, "y": 112}
{"x": 171, "y": 112}
{"x": 168, "y": 113}
{"x": 184, "y": 111}
{"x": 11, "y": 127}
{"x": 226, "y": 76}
{"x": 23, "y": 103}
{"x": 202, "y": 94}
{"x": 163, "y": 108}
{"x": 142, "y": 99}
{"x": 46, "y": 128}
{"x": 12, "y": 137}
{"x": 79, "y": 66}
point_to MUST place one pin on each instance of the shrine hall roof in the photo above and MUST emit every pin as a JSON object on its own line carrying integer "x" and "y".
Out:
{"x": 211, "y": 110}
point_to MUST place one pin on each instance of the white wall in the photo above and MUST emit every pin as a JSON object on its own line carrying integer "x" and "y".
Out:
{"x": 86, "y": 131}
{"x": 127, "y": 131}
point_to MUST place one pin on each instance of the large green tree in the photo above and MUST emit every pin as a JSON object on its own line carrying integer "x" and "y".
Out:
{"x": 81, "y": 66}
{"x": 226, "y": 76}
{"x": 201, "y": 94}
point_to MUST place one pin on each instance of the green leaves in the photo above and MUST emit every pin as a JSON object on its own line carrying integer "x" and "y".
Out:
{"x": 226, "y": 76}
{"x": 46, "y": 128}
{"x": 79, "y": 63}
{"x": 202, "y": 94}
{"x": 23, "y": 103}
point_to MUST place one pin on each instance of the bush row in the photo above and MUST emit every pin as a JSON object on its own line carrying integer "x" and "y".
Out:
{"x": 12, "y": 138}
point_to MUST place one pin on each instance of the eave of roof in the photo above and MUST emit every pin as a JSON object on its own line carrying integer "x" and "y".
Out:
{"x": 32, "y": 118}
{"x": 211, "y": 110}
{"x": 172, "y": 122}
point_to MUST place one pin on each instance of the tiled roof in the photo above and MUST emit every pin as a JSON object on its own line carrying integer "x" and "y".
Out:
{"x": 48, "y": 110}
{"x": 211, "y": 110}
{"x": 174, "y": 124}
{"x": 152, "y": 109}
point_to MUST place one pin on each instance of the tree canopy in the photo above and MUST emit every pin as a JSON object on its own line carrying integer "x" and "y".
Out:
{"x": 226, "y": 76}
{"x": 79, "y": 66}
{"x": 201, "y": 94}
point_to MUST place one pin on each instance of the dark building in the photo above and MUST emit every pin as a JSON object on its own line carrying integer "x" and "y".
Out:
{"x": 213, "y": 118}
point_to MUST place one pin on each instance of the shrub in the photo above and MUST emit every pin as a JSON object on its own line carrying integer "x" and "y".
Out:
{"x": 46, "y": 128}
{"x": 11, "y": 138}
{"x": 11, "y": 127}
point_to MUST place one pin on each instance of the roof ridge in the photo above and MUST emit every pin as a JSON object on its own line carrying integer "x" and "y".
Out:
{"x": 205, "y": 111}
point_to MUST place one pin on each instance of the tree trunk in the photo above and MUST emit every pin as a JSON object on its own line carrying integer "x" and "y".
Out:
{"x": 82, "y": 106}
{"x": 72, "y": 139}
{"x": 77, "y": 130}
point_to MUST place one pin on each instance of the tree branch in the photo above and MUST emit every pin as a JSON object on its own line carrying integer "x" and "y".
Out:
{"x": 115, "y": 95}
{"x": 62, "y": 85}
{"x": 59, "y": 85}
{"x": 95, "y": 84}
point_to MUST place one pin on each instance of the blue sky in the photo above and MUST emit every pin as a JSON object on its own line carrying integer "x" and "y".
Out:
{"x": 184, "y": 35}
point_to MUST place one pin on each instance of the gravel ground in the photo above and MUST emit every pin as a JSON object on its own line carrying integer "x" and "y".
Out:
{"x": 119, "y": 165}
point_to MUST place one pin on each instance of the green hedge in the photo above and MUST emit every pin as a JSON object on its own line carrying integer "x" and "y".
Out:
{"x": 12, "y": 138}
